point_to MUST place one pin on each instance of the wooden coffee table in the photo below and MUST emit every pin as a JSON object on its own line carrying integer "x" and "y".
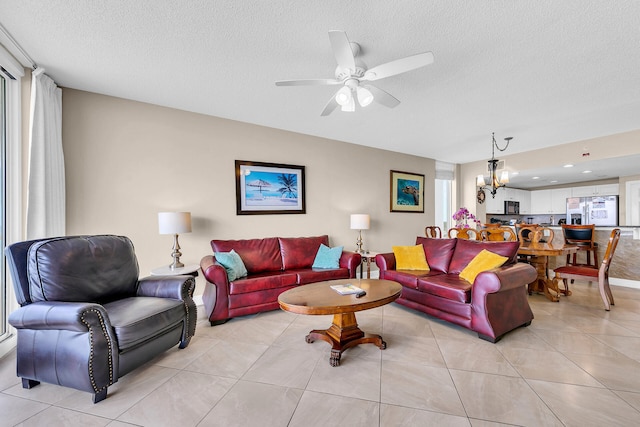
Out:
{"x": 320, "y": 299}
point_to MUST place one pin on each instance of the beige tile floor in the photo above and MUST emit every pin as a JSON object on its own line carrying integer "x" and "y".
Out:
{"x": 576, "y": 365}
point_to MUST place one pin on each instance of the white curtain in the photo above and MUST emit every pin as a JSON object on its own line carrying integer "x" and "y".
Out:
{"x": 46, "y": 193}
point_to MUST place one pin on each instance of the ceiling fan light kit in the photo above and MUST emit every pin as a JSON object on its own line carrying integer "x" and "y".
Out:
{"x": 351, "y": 72}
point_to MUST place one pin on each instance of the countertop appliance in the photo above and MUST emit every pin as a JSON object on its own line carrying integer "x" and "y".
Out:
{"x": 511, "y": 207}
{"x": 598, "y": 210}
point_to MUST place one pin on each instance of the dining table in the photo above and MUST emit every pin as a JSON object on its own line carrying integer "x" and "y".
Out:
{"x": 538, "y": 254}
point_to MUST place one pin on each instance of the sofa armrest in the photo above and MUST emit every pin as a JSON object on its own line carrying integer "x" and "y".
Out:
{"x": 176, "y": 287}
{"x": 386, "y": 261}
{"x": 216, "y": 292}
{"x": 85, "y": 356}
{"x": 503, "y": 279}
{"x": 499, "y": 300}
{"x": 351, "y": 261}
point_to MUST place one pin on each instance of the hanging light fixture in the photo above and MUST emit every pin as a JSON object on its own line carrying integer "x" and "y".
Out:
{"x": 495, "y": 182}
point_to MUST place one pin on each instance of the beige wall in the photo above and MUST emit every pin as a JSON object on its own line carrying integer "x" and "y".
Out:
{"x": 612, "y": 146}
{"x": 126, "y": 161}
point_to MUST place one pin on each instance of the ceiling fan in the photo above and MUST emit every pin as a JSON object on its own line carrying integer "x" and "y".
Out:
{"x": 353, "y": 75}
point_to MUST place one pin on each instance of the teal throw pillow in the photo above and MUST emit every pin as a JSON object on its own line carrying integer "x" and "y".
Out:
{"x": 327, "y": 257}
{"x": 231, "y": 262}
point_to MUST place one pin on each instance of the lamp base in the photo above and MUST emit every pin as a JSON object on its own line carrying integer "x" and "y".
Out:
{"x": 176, "y": 254}
{"x": 359, "y": 249}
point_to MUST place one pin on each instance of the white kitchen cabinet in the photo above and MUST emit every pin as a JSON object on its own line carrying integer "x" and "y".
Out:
{"x": 540, "y": 201}
{"x": 596, "y": 190}
{"x": 524, "y": 197}
{"x": 551, "y": 202}
{"x": 495, "y": 205}
{"x": 559, "y": 198}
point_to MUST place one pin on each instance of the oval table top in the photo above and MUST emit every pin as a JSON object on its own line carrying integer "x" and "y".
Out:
{"x": 319, "y": 298}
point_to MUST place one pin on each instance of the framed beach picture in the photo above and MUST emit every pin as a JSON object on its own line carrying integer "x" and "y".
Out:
{"x": 269, "y": 188}
{"x": 407, "y": 192}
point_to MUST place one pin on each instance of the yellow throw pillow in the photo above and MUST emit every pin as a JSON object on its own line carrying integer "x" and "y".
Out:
{"x": 484, "y": 261}
{"x": 410, "y": 258}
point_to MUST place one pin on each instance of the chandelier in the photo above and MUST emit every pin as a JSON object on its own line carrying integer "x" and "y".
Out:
{"x": 495, "y": 182}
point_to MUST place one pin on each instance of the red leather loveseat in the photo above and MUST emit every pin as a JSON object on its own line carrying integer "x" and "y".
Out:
{"x": 493, "y": 305}
{"x": 274, "y": 265}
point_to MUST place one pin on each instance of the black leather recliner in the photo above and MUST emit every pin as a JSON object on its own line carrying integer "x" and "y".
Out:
{"x": 85, "y": 318}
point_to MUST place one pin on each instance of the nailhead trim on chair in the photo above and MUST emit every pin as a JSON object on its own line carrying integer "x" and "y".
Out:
{"x": 190, "y": 290}
{"x": 104, "y": 331}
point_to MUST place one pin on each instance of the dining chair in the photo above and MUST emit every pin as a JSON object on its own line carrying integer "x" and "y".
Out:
{"x": 433, "y": 231}
{"x": 583, "y": 237}
{"x": 498, "y": 234}
{"x": 463, "y": 233}
{"x": 591, "y": 274}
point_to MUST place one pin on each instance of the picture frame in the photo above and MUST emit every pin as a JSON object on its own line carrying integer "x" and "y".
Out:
{"x": 407, "y": 192}
{"x": 269, "y": 188}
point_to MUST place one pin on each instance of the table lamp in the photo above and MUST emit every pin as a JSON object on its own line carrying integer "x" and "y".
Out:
{"x": 174, "y": 223}
{"x": 359, "y": 222}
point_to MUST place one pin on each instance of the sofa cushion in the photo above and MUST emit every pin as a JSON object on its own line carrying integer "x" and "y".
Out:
{"x": 410, "y": 258}
{"x": 408, "y": 278}
{"x": 318, "y": 275}
{"x": 262, "y": 281}
{"x": 258, "y": 255}
{"x": 484, "y": 261}
{"x": 327, "y": 257}
{"x": 438, "y": 252}
{"x": 299, "y": 252}
{"x": 448, "y": 286}
{"x": 232, "y": 263}
{"x": 139, "y": 319}
{"x": 466, "y": 250}
{"x": 85, "y": 268}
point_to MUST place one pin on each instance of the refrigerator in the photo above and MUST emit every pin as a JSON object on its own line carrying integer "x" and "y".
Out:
{"x": 598, "y": 210}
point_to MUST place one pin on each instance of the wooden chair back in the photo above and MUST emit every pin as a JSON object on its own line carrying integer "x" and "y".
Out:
{"x": 524, "y": 231}
{"x": 498, "y": 234}
{"x": 585, "y": 272}
{"x": 581, "y": 235}
{"x": 464, "y": 233}
{"x": 433, "y": 231}
{"x": 542, "y": 235}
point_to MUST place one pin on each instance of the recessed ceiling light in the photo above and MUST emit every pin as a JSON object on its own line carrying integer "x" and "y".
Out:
{"x": 536, "y": 177}
{"x": 568, "y": 165}
{"x": 553, "y": 181}
{"x": 586, "y": 171}
{"x": 515, "y": 173}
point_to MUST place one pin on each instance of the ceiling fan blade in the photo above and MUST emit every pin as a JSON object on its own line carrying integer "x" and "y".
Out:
{"x": 309, "y": 82}
{"x": 398, "y": 66}
{"x": 331, "y": 105}
{"x": 342, "y": 50}
{"x": 382, "y": 97}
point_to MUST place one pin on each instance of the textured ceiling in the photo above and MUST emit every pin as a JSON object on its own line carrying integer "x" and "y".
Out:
{"x": 546, "y": 72}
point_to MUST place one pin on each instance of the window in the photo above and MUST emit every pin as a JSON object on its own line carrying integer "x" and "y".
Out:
{"x": 445, "y": 174}
{"x": 10, "y": 184}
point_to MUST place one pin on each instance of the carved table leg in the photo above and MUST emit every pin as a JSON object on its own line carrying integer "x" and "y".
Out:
{"x": 343, "y": 334}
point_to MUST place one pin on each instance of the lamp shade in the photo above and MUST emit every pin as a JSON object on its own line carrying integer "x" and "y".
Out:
{"x": 174, "y": 222}
{"x": 360, "y": 222}
{"x": 480, "y": 181}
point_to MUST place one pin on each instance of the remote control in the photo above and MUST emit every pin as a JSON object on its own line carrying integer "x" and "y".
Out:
{"x": 361, "y": 294}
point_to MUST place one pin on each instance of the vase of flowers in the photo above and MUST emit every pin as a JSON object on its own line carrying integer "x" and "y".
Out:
{"x": 462, "y": 218}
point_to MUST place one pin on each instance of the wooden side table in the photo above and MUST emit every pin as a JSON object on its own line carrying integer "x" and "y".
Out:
{"x": 191, "y": 270}
{"x": 367, "y": 257}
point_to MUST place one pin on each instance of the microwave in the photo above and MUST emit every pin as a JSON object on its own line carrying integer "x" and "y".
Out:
{"x": 511, "y": 207}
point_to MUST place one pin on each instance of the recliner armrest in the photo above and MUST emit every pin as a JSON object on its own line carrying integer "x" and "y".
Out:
{"x": 58, "y": 315}
{"x": 176, "y": 287}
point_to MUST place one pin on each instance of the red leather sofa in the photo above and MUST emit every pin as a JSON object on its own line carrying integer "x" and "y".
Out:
{"x": 274, "y": 265}
{"x": 493, "y": 305}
